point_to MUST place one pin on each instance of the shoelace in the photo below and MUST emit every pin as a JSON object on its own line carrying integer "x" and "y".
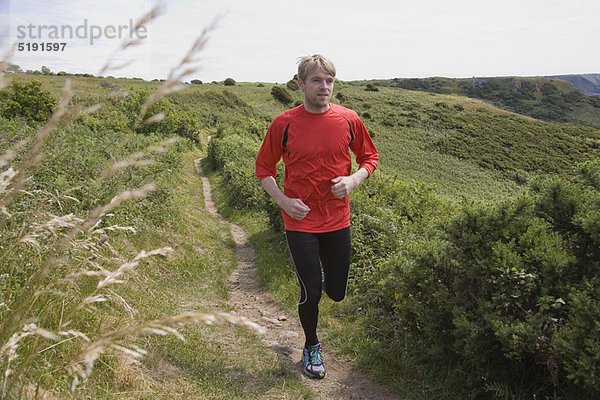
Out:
{"x": 316, "y": 356}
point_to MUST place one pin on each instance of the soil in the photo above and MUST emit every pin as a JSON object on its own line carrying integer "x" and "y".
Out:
{"x": 284, "y": 334}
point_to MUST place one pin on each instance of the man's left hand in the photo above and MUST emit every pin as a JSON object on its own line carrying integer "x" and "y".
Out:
{"x": 342, "y": 186}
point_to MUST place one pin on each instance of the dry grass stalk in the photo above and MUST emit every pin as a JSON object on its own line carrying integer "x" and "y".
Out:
{"x": 5, "y": 63}
{"x": 178, "y": 73}
{"x": 9, "y": 349}
{"x": 29, "y": 295}
{"x": 145, "y": 19}
{"x": 136, "y": 159}
{"x": 82, "y": 368}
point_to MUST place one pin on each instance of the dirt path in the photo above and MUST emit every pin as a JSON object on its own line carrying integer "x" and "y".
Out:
{"x": 284, "y": 333}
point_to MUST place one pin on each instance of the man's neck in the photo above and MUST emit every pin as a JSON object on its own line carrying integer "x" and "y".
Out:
{"x": 316, "y": 110}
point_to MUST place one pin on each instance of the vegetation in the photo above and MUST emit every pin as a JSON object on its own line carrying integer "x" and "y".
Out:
{"x": 474, "y": 270}
{"x": 281, "y": 95}
{"x": 552, "y": 100}
{"x": 28, "y": 101}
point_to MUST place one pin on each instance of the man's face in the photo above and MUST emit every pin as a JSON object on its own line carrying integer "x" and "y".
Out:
{"x": 317, "y": 90}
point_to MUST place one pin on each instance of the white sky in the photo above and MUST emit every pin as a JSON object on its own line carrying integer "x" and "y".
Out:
{"x": 260, "y": 40}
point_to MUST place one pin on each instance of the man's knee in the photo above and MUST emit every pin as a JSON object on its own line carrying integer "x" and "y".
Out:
{"x": 313, "y": 296}
{"x": 338, "y": 295}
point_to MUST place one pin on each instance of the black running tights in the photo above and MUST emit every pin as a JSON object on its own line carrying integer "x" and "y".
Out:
{"x": 309, "y": 251}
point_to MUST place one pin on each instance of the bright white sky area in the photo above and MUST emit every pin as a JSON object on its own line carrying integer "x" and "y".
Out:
{"x": 260, "y": 40}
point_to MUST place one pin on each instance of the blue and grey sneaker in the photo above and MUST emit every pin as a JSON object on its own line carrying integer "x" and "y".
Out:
{"x": 313, "y": 362}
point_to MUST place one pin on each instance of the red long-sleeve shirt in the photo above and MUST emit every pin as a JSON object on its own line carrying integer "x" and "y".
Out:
{"x": 314, "y": 148}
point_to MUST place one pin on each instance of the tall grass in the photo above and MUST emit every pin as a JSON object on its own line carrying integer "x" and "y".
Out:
{"x": 60, "y": 265}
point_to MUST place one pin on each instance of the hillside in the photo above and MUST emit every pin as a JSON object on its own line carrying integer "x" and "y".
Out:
{"x": 585, "y": 83}
{"x": 548, "y": 99}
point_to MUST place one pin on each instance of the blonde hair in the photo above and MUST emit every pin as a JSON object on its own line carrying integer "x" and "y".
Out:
{"x": 308, "y": 64}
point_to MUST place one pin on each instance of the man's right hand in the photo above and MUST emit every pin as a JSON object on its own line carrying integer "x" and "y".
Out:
{"x": 295, "y": 208}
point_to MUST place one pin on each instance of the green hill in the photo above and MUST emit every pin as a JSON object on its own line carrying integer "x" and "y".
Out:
{"x": 548, "y": 99}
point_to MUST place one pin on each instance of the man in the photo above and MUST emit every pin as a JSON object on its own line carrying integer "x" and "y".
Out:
{"x": 313, "y": 139}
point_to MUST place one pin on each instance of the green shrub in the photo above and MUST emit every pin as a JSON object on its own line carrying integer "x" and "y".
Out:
{"x": 292, "y": 84}
{"x": 514, "y": 286}
{"x": 174, "y": 122}
{"x": 27, "y": 100}
{"x": 229, "y": 82}
{"x": 371, "y": 88}
{"x": 281, "y": 95}
{"x": 234, "y": 156}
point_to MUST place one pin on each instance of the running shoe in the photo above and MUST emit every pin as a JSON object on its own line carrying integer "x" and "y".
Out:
{"x": 313, "y": 362}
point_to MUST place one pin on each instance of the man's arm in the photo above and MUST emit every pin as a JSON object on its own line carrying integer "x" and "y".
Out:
{"x": 343, "y": 185}
{"x": 295, "y": 208}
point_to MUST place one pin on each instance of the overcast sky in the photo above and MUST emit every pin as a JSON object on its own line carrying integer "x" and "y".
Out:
{"x": 260, "y": 40}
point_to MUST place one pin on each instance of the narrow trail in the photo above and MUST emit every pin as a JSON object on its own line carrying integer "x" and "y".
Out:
{"x": 284, "y": 332}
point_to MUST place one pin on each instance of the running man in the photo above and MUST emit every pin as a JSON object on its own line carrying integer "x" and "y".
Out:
{"x": 313, "y": 139}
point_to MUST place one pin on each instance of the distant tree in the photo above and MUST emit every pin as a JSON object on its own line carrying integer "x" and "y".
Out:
{"x": 229, "y": 82}
{"x": 196, "y": 81}
{"x": 46, "y": 71}
{"x": 14, "y": 68}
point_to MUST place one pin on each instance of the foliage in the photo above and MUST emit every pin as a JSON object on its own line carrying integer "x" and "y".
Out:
{"x": 172, "y": 121}
{"x": 234, "y": 156}
{"x": 27, "y": 100}
{"x": 281, "y": 95}
{"x": 543, "y": 98}
{"x": 513, "y": 284}
{"x": 371, "y": 88}
{"x": 503, "y": 143}
{"x": 229, "y": 82}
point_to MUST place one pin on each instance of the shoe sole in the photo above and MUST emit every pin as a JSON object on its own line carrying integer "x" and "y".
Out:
{"x": 312, "y": 376}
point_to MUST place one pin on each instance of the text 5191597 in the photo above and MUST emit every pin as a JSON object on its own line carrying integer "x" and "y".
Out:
{"x": 42, "y": 46}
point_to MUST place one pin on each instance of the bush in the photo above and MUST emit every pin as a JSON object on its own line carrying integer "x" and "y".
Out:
{"x": 514, "y": 285}
{"x": 27, "y": 100}
{"x": 292, "y": 84}
{"x": 234, "y": 156}
{"x": 229, "y": 82}
{"x": 371, "y": 88}
{"x": 281, "y": 95}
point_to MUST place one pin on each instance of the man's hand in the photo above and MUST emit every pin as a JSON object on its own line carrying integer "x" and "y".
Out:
{"x": 342, "y": 186}
{"x": 295, "y": 208}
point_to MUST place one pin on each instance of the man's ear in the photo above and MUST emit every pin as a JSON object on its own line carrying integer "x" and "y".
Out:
{"x": 300, "y": 84}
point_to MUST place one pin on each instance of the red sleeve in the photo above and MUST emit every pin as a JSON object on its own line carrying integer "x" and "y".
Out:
{"x": 270, "y": 152}
{"x": 362, "y": 146}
